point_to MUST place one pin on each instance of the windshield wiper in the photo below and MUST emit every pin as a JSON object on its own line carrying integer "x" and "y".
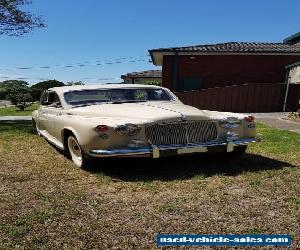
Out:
{"x": 109, "y": 102}
{"x": 126, "y": 101}
{"x": 87, "y": 104}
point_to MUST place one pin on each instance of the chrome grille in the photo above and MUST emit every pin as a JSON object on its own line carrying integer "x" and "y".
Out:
{"x": 181, "y": 132}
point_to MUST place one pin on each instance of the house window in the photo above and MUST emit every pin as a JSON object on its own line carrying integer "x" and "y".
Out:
{"x": 190, "y": 83}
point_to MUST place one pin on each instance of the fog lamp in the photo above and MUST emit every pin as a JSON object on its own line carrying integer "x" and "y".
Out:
{"x": 231, "y": 136}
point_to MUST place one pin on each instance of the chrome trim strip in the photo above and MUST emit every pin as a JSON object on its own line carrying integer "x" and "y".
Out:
{"x": 121, "y": 152}
{"x": 148, "y": 151}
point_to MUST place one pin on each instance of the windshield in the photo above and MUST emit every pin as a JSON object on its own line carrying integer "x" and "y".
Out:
{"x": 95, "y": 96}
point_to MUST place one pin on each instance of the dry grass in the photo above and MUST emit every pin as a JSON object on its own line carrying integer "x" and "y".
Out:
{"x": 46, "y": 202}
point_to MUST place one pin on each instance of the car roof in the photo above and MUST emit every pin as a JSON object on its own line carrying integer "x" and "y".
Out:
{"x": 63, "y": 89}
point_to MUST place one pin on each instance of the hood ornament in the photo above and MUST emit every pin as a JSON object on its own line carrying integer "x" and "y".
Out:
{"x": 183, "y": 117}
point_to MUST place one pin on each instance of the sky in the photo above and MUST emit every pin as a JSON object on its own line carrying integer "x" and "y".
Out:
{"x": 117, "y": 34}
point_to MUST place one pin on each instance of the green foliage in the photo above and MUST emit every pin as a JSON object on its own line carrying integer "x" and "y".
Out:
{"x": 18, "y": 93}
{"x": 149, "y": 82}
{"x": 11, "y": 83}
{"x": 75, "y": 83}
{"x": 38, "y": 88}
{"x": 47, "y": 84}
{"x": 14, "y": 21}
{"x": 3, "y": 94}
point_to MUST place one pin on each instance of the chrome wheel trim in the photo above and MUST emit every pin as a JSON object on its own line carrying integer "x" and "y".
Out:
{"x": 75, "y": 151}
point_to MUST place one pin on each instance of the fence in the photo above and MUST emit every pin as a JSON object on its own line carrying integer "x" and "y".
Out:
{"x": 250, "y": 97}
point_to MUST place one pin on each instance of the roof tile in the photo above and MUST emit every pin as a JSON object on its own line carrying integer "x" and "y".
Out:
{"x": 238, "y": 47}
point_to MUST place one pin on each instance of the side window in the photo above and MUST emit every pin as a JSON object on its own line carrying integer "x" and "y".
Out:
{"x": 53, "y": 100}
{"x": 50, "y": 99}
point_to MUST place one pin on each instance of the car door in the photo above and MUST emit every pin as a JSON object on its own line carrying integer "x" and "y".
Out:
{"x": 54, "y": 113}
{"x": 43, "y": 121}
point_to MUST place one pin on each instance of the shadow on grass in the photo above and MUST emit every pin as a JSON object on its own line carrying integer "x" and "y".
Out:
{"x": 17, "y": 127}
{"x": 184, "y": 167}
{"x": 166, "y": 169}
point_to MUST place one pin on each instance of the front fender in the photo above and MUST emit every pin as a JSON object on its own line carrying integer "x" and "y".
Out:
{"x": 73, "y": 131}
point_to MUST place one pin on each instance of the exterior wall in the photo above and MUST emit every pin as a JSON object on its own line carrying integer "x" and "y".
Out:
{"x": 223, "y": 70}
{"x": 294, "y": 74}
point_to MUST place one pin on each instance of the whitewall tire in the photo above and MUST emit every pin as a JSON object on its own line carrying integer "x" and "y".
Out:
{"x": 77, "y": 155}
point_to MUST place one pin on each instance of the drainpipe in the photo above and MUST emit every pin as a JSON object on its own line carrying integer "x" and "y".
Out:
{"x": 287, "y": 83}
{"x": 175, "y": 70}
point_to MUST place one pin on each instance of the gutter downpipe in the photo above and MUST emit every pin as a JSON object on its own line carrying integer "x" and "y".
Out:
{"x": 175, "y": 69}
{"x": 287, "y": 83}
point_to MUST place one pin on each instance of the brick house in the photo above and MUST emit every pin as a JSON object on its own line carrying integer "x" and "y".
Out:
{"x": 203, "y": 67}
{"x": 143, "y": 77}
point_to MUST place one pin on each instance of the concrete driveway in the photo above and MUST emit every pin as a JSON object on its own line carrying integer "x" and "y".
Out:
{"x": 277, "y": 120}
{"x": 15, "y": 118}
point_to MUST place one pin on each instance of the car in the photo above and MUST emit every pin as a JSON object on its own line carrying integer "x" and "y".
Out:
{"x": 131, "y": 120}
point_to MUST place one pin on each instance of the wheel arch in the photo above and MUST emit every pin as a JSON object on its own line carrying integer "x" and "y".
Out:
{"x": 65, "y": 133}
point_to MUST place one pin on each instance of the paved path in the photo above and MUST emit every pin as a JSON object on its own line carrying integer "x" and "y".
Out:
{"x": 4, "y": 103}
{"x": 276, "y": 120}
{"x": 15, "y": 118}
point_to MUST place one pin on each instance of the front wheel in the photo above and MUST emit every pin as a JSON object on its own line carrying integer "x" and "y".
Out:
{"x": 80, "y": 158}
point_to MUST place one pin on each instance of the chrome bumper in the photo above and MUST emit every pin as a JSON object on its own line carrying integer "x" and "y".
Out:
{"x": 156, "y": 151}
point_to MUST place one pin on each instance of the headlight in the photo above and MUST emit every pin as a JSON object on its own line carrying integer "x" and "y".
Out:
{"x": 102, "y": 128}
{"x": 230, "y": 122}
{"x": 128, "y": 129}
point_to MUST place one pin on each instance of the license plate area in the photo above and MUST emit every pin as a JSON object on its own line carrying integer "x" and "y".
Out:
{"x": 192, "y": 150}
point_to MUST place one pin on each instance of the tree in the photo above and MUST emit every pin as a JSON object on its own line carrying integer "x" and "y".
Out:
{"x": 48, "y": 84}
{"x": 18, "y": 93}
{"x": 3, "y": 91}
{"x": 16, "y": 22}
{"x": 37, "y": 89}
{"x": 75, "y": 83}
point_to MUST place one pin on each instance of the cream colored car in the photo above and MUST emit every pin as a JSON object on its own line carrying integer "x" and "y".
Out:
{"x": 117, "y": 120}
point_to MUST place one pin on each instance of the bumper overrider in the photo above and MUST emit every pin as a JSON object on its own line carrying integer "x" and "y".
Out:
{"x": 157, "y": 151}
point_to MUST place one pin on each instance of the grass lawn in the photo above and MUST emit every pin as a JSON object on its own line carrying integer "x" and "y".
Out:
{"x": 46, "y": 202}
{"x": 13, "y": 111}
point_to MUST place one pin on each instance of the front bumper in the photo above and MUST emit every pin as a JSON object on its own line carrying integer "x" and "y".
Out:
{"x": 157, "y": 151}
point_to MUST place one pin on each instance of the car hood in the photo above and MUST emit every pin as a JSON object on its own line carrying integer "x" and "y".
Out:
{"x": 148, "y": 112}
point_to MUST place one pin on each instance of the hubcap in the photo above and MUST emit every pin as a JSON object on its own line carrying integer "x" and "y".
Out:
{"x": 75, "y": 151}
